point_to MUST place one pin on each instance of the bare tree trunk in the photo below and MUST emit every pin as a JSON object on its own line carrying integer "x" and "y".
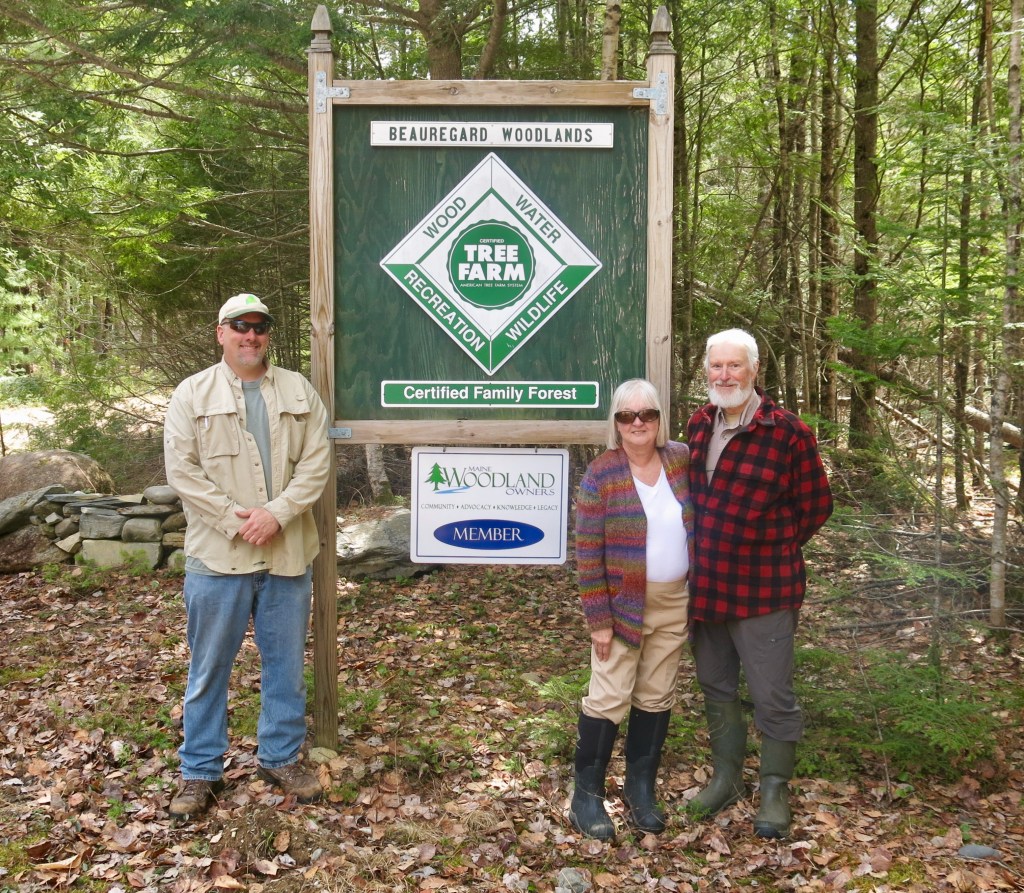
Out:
{"x": 796, "y": 137}
{"x": 380, "y": 486}
{"x": 829, "y": 203}
{"x": 682, "y": 262}
{"x": 563, "y": 25}
{"x": 494, "y": 34}
{"x": 1010, "y": 338}
{"x": 573, "y": 26}
{"x": 962, "y": 330}
{"x": 865, "y": 202}
{"x": 809, "y": 337}
{"x": 689, "y": 148}
{"x": 582, "y": 50}
{"x": 777, "y": 365}
{"x": 443, "y": 36}
{"x": 979, "y": 369}
{"x": 610, "y": 40}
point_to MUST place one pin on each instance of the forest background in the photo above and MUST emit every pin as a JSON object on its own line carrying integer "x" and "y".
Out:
{"x": 847, "y": 187}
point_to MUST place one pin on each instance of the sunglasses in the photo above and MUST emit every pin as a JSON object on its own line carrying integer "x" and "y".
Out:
{"x": 627, "y": 416}
{"x": 244, "y": 327}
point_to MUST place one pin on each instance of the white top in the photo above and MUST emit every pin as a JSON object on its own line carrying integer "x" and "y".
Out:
{"x": 667, "y": 556}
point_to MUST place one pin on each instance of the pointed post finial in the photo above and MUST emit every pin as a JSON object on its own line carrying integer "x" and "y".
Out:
{"x": 321, "y": 29}
{"x": 321, "y": 20}
{"x": 661, "y": 28}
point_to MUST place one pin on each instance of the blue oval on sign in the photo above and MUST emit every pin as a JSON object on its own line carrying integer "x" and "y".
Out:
{"x": 482, "y": 533}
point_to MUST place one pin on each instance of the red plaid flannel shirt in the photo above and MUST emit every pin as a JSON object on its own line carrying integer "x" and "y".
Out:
{"x": 767, "y": 497}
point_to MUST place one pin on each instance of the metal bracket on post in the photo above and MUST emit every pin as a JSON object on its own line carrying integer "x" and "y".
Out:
{"x": 322, "y": 92}
{"x": 339, "y": 433}
{"x": 657, "y": 94}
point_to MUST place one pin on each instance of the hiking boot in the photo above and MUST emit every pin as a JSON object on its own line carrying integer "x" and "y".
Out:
{"x": 293, "y": 779}
{"x": 194, "y": 797}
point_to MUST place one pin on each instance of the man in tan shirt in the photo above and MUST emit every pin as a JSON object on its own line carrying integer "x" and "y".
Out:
{"x": 246, "y": 450}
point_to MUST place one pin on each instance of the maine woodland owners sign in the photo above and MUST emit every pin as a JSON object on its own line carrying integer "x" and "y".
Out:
{"x": 507, "y": 506}
{"x": 491, "y": 264}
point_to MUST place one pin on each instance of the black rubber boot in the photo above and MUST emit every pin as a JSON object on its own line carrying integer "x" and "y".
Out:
{"x": 645, "y": 739}
{"x": 777, "y": 761}
{"x": 594, "y": 745}
{"x": 728, "y": 730}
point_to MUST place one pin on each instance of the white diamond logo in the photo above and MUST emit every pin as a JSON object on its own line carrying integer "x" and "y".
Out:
{"x": 491, "y": 264}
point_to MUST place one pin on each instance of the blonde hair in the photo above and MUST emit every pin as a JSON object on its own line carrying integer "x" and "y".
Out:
{"x": 624, "y": 393}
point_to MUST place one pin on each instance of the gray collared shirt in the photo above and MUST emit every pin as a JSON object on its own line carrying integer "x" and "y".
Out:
{"x": 723, "y": 432}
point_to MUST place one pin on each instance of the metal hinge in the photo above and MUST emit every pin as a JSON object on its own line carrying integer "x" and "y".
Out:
{"x": 321, "y": 92}
{"x": 658, "y": 94}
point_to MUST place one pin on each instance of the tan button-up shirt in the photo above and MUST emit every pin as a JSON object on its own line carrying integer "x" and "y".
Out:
{"x": 214, "y": 465}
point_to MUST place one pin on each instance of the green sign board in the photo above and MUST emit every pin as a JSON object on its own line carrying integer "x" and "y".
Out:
{"x": 490, "y": 262}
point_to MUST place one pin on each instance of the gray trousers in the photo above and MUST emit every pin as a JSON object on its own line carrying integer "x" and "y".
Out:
{"x": 763, "y": 648}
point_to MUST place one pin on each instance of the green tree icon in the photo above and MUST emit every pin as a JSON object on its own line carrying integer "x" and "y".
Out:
{"x": 437, "y": 476}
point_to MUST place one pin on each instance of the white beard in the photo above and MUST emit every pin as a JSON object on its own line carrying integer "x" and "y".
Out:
{"x": 731, "y": 399}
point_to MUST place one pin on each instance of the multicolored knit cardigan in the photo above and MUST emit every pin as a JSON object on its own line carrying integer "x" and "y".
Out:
{"x": 611, "y": 539}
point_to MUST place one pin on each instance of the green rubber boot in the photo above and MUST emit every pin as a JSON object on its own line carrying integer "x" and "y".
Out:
{"x": 645, "y": 738}
{"x": 727, "y": 728}
{"x": 593, "y": 751}
{"x": 777, "y": 761}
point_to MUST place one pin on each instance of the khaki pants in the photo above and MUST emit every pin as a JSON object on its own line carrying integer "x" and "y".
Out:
{"x": 643, "y": 677}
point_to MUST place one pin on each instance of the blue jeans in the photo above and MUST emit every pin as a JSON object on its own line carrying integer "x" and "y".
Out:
{"x": 218, "y": 610}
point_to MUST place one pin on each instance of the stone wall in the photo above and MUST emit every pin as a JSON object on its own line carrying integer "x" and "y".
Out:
{"x": 50, "y": 524}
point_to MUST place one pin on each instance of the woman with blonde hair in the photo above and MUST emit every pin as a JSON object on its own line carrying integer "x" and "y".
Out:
{"x": 634, "y": 526}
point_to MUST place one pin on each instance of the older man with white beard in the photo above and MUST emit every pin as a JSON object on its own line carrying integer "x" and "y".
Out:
{"x": 760, "y": 492}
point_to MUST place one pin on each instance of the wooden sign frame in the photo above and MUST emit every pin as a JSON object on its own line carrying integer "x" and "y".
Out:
{"x": 656, "y": 94}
